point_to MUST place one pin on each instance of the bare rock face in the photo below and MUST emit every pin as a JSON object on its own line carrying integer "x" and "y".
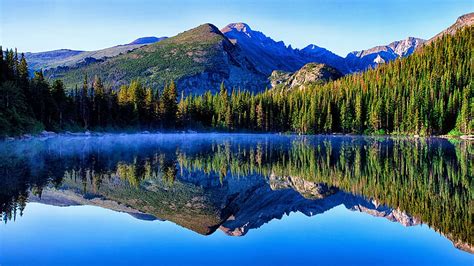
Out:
{"x": 311, "y": 73}
{"x": 394, "y": 215}
{"x": 279, "y": 77}
{"x": 307, "y": 189}
{"x": 406, "y": 47}
{"x": 379, "y": 60}
{"x": 464, "y": 246}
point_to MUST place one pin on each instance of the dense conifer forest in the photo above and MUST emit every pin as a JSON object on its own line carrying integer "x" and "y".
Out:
{"x": 427, "y": 93}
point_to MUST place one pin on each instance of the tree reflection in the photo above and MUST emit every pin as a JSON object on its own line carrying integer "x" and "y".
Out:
{"x": 429, "y": 179}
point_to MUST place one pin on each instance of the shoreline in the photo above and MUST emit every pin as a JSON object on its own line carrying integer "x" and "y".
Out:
{"x": 50, "y": 134}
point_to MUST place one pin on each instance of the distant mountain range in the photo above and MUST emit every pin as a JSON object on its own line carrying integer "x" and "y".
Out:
{"x": 361, "y": 60}
{"x": 198, "y": 60}
{"x": 70, "y": 58}
{"x": 269, "y": 55}
{"x": 202, "y": 58}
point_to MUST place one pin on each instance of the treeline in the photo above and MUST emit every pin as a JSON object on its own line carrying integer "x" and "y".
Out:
{"x": 31, "y": 105}
{"x": 430, "y": 92}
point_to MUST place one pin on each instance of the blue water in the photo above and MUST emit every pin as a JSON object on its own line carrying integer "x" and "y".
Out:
{"x": 86, "y": 235}
{"x": 62, "y": 178}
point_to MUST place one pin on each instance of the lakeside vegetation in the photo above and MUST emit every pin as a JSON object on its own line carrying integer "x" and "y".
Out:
{"x": 428, "y": 93}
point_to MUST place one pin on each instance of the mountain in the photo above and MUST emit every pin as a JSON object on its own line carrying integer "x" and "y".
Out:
{"x": 269, "y": 55}
{"x": 199, "y": 202}
{"x": 293, "y": 194}
{"x": 202, "y": 58}
{"x": 234, "y": 207}
{"x": 72, "y": 58}
{"x": 310, "y": 73}
{"x": 362, "y": 60}
{"x": 198, "y": 60}
{"x": 316, "y": 54}
{"x": 147, "y": 40}
{"x": 461, "y": 22}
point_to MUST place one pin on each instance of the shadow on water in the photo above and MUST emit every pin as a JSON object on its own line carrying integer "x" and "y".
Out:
{"x": 239, "y": 182}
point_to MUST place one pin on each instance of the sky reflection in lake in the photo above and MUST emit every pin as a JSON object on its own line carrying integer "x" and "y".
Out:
{"x": 226, "y": 199}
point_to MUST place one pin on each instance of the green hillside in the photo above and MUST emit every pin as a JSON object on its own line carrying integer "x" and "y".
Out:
{"x": 203, "y": 51}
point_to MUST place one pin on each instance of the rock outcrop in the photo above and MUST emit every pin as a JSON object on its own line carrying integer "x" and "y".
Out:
{"x": 310, "y": 73}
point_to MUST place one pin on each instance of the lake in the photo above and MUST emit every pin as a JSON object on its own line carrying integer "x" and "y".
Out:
{"x": 236, "y": 199}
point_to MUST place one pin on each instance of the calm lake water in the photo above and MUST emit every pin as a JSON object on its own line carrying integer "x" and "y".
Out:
{"x": 219, "y": 199}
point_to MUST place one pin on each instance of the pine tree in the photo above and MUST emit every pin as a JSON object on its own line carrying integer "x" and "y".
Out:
{"x": 60, "y": 100}
{"x": 99, "y": 102}
{"x": 228, "y": 118}
{"x": 259, "y": 115}
{"x": 328, "y": 123}
{"x": 2, "y": 66}
{"x": 84, "y": 103}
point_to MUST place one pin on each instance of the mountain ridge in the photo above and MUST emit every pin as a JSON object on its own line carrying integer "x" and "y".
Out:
{"x": 240, "y": 57}
{"x": 272, "y": 55}
{"x": 198, "y": 60}
{"x": 461, "y": 22}
{"x": 361, "y": 60}
{"x": 72, "y": 58}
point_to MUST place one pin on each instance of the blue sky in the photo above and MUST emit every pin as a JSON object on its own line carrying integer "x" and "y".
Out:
{"x": 340, "y": 26}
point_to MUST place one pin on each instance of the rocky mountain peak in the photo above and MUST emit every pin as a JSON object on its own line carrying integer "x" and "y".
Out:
{"x": 407, "y": 46}
{"x": 379, "y": 60}
{"x": 207, "y": 27}
{"x": 400, "y": 48}
{"x": 311, "y": 47}
{"x": 239, "y": 26}
{"x": 361, "y": 60}
{"x": 463, "y": 21}
{"x": 238, "y": 31}
{"x": 204, "y": 33}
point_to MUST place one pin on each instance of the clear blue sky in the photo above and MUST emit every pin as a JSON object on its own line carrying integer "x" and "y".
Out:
{"x": 339, "y": 25}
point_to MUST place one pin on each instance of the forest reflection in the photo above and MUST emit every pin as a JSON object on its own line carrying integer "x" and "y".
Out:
{"x": 429, "y": 179}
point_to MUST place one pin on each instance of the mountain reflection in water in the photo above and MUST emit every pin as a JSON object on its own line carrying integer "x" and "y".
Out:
{"x": 239, "y": 182}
